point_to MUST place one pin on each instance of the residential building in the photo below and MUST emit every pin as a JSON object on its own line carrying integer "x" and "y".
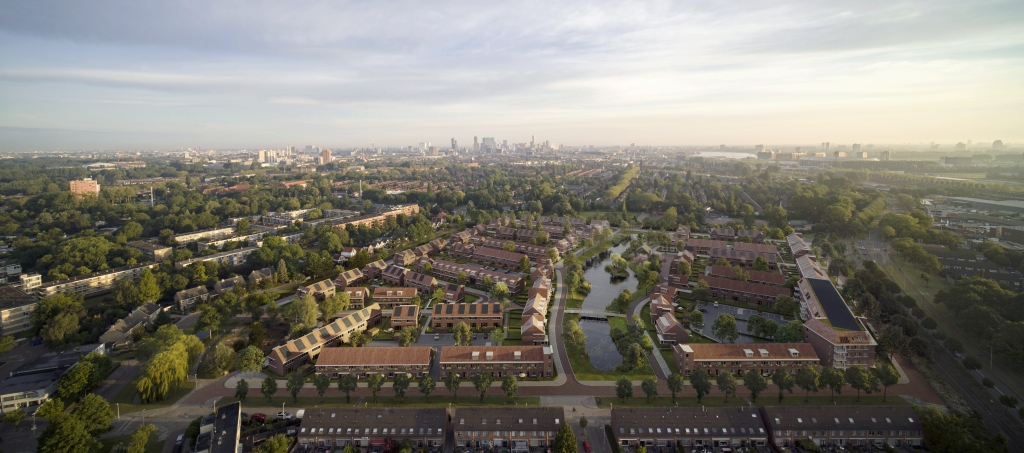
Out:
{"x": 228, "y": 284}
{"x": 838, "y": 337}
{"x": 15, "y": 310}
{"x": 234, "y": 257}
{"x": 482, "y": 315}
{"x": 729, "y": 234}
{"x": 85, "y": 187}
{"x": 260, "y": 275}
{"x": 213, "y": 233}
{"x": 497, "y": 257}
{"x": 96, "y": 282}
{"x": 682, "y": 234}
{"x": 356, "y": 296}
{"x": 367, "y": 428}
{"x": 536, "y": 305}
{"x": 532, "y": 331}
{"x": 516, "y": 429}
{"x": 808, "y": 267}
{"x": 390, "y": 297}
{"x": 186, "y": 298}
{"x": 454, "y": 293}
{"x": 290, "y": 356}
{"x": 660, "y": 304}
{"x": 244, "y": 239}
{"x": 738, "y": 358}
{"x": 797, "y": 246}
{"x": 362, "y": 362}
{"x": 349, "y": 278}
{"x": 450, "y": 270}
{"x": 497, "y": 361}
{"x": 405, "y": 316}
{"x": 374, "y": 270}
{"x": 35, "y": 382}
{"x": 690, "y": 428}
{"x": 425, "y": 283}
{"x": 152, "y": 250}
{"x": 760, "y": 277}
{"x": 221, "y": 432}
{"x": 404, "y": 258}
{"x": 121, "y": 333}
{"x": 535, "y": 252}
{"x": 848, "y": 427}
{"x": 744, "y": 254}
{"x": 670, "y": 331}
{"x": 704, "y": 246}
{"x": 394, "y": 275}
{"x": 320, "y": 290}
{"x": 752, "y": 293}
{"x": 461, "y": 237}
{"x": 679, "y": 281}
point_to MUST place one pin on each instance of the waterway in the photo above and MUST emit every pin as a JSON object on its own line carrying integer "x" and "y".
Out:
{"x": 603, "y": 286}
{"x": 600, "y": 347}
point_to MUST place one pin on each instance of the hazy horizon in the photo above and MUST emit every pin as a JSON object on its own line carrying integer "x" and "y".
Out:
{"x": 115, "y": 74}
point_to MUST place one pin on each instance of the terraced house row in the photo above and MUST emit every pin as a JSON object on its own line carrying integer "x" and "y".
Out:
{"x": 290, "y": 356}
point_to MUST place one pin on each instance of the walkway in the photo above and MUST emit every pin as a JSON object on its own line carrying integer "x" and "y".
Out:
{"x": 591, "y": 314}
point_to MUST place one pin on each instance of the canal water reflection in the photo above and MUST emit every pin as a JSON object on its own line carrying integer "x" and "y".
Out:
{"x": 603, "y": 286}
{"x": 603, "y": 354}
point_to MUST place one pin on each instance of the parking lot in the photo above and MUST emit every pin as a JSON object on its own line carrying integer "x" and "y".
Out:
{"x": 711, "y": 313}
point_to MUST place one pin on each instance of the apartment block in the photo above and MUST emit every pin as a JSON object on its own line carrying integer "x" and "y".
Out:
{"x": 482, "y": 315}
{"x": 152, "y": 250}
{"x": 389, "y": 297}
{"x": 367, "y": 428}
{"x": 362, "y": 362}
{"x": 738, "y": 358}
{"x": 93, "y": 283}
{"x": 15, "y": 310}
{"x": 837, "y": 336}
{"x": 234, "y": 257}
{"x": 516, "y": 429}
{"x": 497, "y": 361}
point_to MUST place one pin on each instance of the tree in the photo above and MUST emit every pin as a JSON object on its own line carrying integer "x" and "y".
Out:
{"x": 149, "y": 290}
{"x": 250, "y": 359}
{"x": 275, "y": 444}
{"x": 222, "y": 358}
{"x": 282, "y": 272}
{"x": 451, "y": 382}
{"x": 14, "y": 417}
{"x": 59, "y": 329}
{"x": 322, "y": 383}
{"x": 95, "y": 413}
{"x": 583, "y": 424}
{"x": 755, "y": 383}
{"x": 269, "y": 387}
{"x": 482, "y": 382}
{"x": 462, "y": 334}
{"x": 375, "y": 382}
{"x": 347, "y": 383}
{"x": 650, "y": 388}
{"x": 701, "y": 292}
{"x": 972, "y": 363}
{"x": 242, "y": 390}
{"x": 696, "y": 320}
{"x": 66, "y": 434}
{"x": 209, "y": 320}
{"x": 462, "y": 278}
{"x": 724, "y": 328}
{"x": 140, "y": 438}
{"x": 857, "y": 377}
{"x": 726, "y": 384}
{"x": 893, "y": 338}
{"x": 75, "y": 381}
{"x": 783, "y": 380}
{"x": 498, "y": 336}
{"x": 785, "y": 304}
{"x": 524, "y": 264}
{"x": 683, "y": 267}
{"x": 675, "y": 384}
{"x": 127, "y": 294}
{"x": 294, "y": 384}
{"x": 1009, "y": 401}
{"x": 51, "y": 408}
{"x": 760, "y": 264}
{"x": 887, "y": 376}
{"x": 565, "y": 439}
{"x": 499, "y": 291}
{"x": 807, "y": 379}
{"x": 330, "y": 307}
{"x": 427, "y": 386}
{"x": 833, "y": 379}
{"x": 701, "y": 383}
{"x": 407, "y": 336}
{"x": 624, "y": 388}
{"x": 510, "y": 385}
{"x": 303, "y": 310}
{"x": 400, "y": 385}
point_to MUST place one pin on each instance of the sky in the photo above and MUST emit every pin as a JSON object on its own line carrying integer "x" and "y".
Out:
{"x": 259, "y": 74}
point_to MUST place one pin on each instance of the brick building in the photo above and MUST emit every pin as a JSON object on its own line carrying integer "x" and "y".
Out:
{"x": 290, "y": 356}
{"x": 858, "y": 428}
{"x": 367, "y": 428}
{"x": 482, "y": 315}
{"x": 726, "y": 289}
{"x": 515, "y": 429}
{"x": 390, "y": 297}
{"x": 738, "y": 358}
{"x": 497, "y": 361}
{"x": 320, "y": 290}
{"x": 405, "y": 316}
{"x": 362, "y": 362}
{"x": 689, "y": 428}
{"x": 839, "y": 338}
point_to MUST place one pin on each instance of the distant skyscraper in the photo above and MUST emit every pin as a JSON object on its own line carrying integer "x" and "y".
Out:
{"x": 998, "y": 144}
{"x": 533, "y": 140}
{"x": 85, "y": 187}
{"x": 455, "y": 144}
{"x": 856, "y": 148}
{"x": 488, "y": 143}
{"x": 476, "y": 144}
{"x": 826, "y": 145}
{"x": 325, "y": 156}
{"x": 961, "y": 146}
{"x": 758, "y": 148}
{"x": 885, "y": 155}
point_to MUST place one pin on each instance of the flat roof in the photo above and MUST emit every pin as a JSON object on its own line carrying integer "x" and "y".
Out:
{"x": 11, "y": 297}
{"x": 836, "y": 310}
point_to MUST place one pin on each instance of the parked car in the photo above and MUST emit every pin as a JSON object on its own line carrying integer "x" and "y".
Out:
{"x": 703, "y": 310}
{"x": 716, "y": 304}
{"x": 437, "y": 336}
{"x": 285, "y": 416}
{"x": 586, "y": 446}
{"x": 258, "y": 417}
{"x": 180, "y": 439}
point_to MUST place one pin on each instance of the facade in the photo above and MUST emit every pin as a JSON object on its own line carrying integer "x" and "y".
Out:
{"x": 221, "y": 433}
{"x": 228, "y": 284}
{"x": 152, "y": 250}
{"x": 454, "y": 293}
{"x": 482, "y": 315}
{"x": 349, "y": 278}
{"x": 744, "y": 254}
{"x": 690, "y": 428}
{"x": 320, "y": 290}
{"x": 497, "y": 361}
{"x": 290, "y": 356}
{"x": 405, "y": 316}
{"x": 738, "y": 358}
{"x": 389, "y": 297}
{"x": 15, "y": 310}
{"x": 704, "y": 246}
{"x": 751, "y": 293}
{"x": 85, "y": 187}
{"x": 186, "y": 298}
{"x": 33, "y": 383}
{"x": 837, "y": 336}
{"x": 259, "y": 275}
{"x": 425, "y": 283}
{"x": 797, "y": 246}
{"x": 404, "y": 258}
{"x": 214, "y": 233}
{"x": 535, "y": 252}
{"x": 760, "y": 277}
{"x": 450, "y": 270}
{"x": 850, "y": 427}
{"x": 394, "y": 275}
{"x": 497, "y": 257}
{"x": 367, "y": 428}
{"x": 234, "y": 257}
{"x": 362, "y": 362}
{"x": 356, "y": 296}
{"x": 729, "y": 234}
{"x": 374, "y": 270}
{"x": 93, "y": 283}
{"x": 670, "y": 331}
{"x": 516, "y": 429}
{"x": 121, "y": 333}
{"x": 533, "y": 332}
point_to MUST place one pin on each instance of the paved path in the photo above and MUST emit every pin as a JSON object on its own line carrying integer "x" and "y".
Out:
{"x": 117, "y": 380}
{"x": 657, "y": 361}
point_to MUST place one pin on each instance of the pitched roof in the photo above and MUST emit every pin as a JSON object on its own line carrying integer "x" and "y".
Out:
{"x": 473, "y": 309}
{"x": 349, "y": 276}
{"x": 400, "y": 292}
{"x": 773, "y": 278}
{"x": 746, "y": 287}
{"x": 390, "y": 355}
{"x": 498, "y": 254}
{"x": 319, "y": 336}
{"x": 191, "y": 292}
{"x": 501, "y": 353}
{"x": 406, "y": 312}
{"x": 738, "y": 351}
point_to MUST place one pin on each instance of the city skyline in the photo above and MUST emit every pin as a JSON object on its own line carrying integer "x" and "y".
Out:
{"x": 103, "y": 75}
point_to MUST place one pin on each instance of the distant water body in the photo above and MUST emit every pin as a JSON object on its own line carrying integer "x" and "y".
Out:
{"x": 727, "y": 155}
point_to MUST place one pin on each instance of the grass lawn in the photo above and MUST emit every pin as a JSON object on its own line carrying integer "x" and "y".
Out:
{"x": 470, "y": 298}
{"x": 95, "y": 300}
{"x": 574, "y": 301}
{"x": 766, "y": 399}
{"x": 584, "y": 370}
{"x": 153, "y": 446}
{"x": 670, "y": 359}
{"x": 515, "y": 324}
{"x": 381, "y": 332}
{"x": 124, "y": 399}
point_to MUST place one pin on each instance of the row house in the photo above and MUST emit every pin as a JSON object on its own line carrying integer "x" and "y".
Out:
{"x": 260, "y": 275}
{"x": 660, "y": 304}
{"x": 533, "y": 331}
{"x": 234, "y": 257}
{"x": 729, "y": 234}
{"x": 405, "y": 316}
{"x": 682, "y": 234}
{"x": 738, "y": 358}
{"x": 497, "y": 361}
{"x": 368, "y": 428}
{"x": 292, "y": 355}
{"x": 680, "y": 256}
{"x": 454, "y": 293}
{"x": 690, "y": 428}
{"x": 760, "y": 277}
{"x": 679, "y": 281}
{"x": 404, "y": 258}
{"x": 394, "y": 275}
{"x": 437, "y": 245}
{"x": 378, "y": 219}
{"x": 746, "y": 292}
{"x": 450, "y": 270}
{"x": 461, "y": 237}
{"x": 461, "y": 250}
{"x": 320, "y": 291}
{"x": 839, "y": 338}
{"x": 847, "y": 427}
{"x": 670, "y": 331}
{"x": 392, "y": 297}
{"x": 535, "y": 252}
{"x": 348, "y": 278}
{"x": 422, "y": 250}
{"x": 704, "y": 246}
{"x": 554, "y": 232}
{"x": 515, "y": 429}
{"x": 670, "y": 293}
{"x": 387, "y": 361}
{"x": 574, "y": 222}
{"x": 797, "y": 246}
{"x": 356, "y": 296}
{"x": 92, "y": 283}
{"x": 374, "y": 270}
{"x": 425, "y": 283}
{"x": 743, "y": 254}
{"x": 478, "y": 315}
{"x": 497, "y": 257}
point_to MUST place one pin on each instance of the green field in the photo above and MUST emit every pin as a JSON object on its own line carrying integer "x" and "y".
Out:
{"x": 124, "y": 399}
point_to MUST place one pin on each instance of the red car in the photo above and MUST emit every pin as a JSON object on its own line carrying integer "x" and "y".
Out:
{"x": 586, "y": 446}
{"x": 257, "y": 417}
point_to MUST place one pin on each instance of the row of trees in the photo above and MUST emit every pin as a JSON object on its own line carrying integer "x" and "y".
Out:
{"x": 400, "y": 383}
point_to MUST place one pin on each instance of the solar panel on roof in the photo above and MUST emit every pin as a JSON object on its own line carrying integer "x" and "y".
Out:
{"x": 462, "y": 309}
{"x": 300, "y": 344}
{"x": 398, "y": 311}
{"x": 835, "y": 307}
{"x": 348, "y": 322}
{"x": 311, "y": 339}
{"x": 357, "y": 316}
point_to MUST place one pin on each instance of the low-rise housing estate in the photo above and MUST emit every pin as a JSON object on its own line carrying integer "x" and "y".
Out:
{"x": 497, "y": 361}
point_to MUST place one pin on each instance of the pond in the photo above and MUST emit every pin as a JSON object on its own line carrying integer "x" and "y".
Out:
{"x": 603, "y": 286}
{"x": 603, "y": 354}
